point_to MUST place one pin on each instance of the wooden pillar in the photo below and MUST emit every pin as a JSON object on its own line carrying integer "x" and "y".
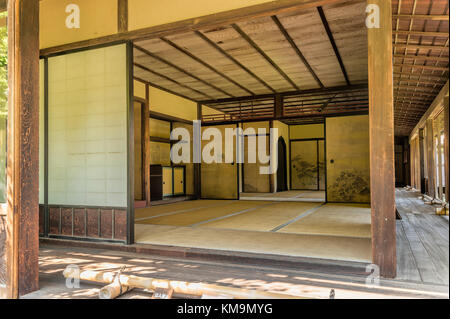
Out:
{"x": 430, "y": 159}
{"x": 22, "y": 242}
{"x": 122, "y": 16}
{"x": 197, "y": 166}
{"x": 381, "y": 122}
{"x": 279, "y": 106}
{"x": 146, "y": 145}
{"x": 422, "y": 161}
{"x": 446, "y": 148}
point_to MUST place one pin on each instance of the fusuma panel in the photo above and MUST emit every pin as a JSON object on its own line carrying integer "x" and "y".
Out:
{"x": 219, "y": 180}
{"x": 347, "y": 153}
{"x": 304, "y": 165}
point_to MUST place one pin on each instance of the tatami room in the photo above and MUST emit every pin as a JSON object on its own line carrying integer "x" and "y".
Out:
{"x": 261, "y": 74}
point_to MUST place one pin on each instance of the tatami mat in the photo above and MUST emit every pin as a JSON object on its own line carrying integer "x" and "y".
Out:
{"x": 176, "y": 207}
{"x": 293, "y": 195}
{"x": 265, "y": 218}
{"x": 296, "y": 245}
{"x": 350, "y": 220}
{"x": 203, "y": 214}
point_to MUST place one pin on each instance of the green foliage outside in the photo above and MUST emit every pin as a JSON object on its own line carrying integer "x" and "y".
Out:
{"x": 3, "y": 69}
{"x": 3, "y": 105}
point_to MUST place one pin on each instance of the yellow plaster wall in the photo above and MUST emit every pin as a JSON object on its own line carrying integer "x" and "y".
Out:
{"x": 306, "y": 131}
{"x": 97, "y": 18}
{"x": 169, "y": 104}
{"x": 139, "y": 89}
{"x": 147, "y": 13}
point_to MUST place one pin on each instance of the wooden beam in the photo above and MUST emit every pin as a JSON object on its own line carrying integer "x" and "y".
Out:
{"x": 446, "y": 146}
{"x": 422, "y": 75}
{"x": 197, "y": 23}
{"x": 171, "y": 80}
{"x": 122, "y": 16}
{"x": 326, "y": 90}
{"x": 227, "y": 55}
{"x": 252, "y": 43}
{"x": 435, "y": 17}
{"x": 333, "y": 43}
{"x": 422, "y": 33}
{"x": 213, "y": 69}
{"x": 421, "y": 46}
{"x": 400, "y": 79}
{"x": 296, "y": 49}
{"x": 381, "y": 127}
{"x": 145, "y": 119}
{"x": 179, "y": 69}
{"x": 425, "y": 67}
{"x": 22, "y": 241}
{"x": 421, "y": 57}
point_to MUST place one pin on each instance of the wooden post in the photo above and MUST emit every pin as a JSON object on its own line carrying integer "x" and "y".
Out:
{"x": 122, "y": 16}
{"x": 446, "y": 148}
{"x": 197, "y": 166}
{"x": 430, "y": 159}
{"x": 146, "y": 145}
{"x": 22, "y": 242}
{"x": 381, "y": 122}
{"x": 421, "y": 161}
{"x": 279, "y": 112}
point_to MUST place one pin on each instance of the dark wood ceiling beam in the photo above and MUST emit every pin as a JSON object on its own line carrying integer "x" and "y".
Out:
{"x": 435, "y": 17}
{"x": 420, "y": 46}
{"x": 159, "y": 87}
{"x": 340, "y": 89}
{"x": 296, "y": 49}
{"x": 398, "y": 79}
{"x": 171, "y": 80}
{"x": 264, "y": 55}
{"x": 421, "y": 57}
{"x": 333, "y": 43}
{"x": 210, "y": 67}
{"x": 239, "y": 64}
{"x": 421, "y": 75}
{"x": 422, "y": 33}
{"x": 425, "y": 67}
{"x": 156, "y": 57}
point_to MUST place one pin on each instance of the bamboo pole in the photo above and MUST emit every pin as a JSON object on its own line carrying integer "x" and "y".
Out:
{"x": 113, "y": 290}
{"x": 181, "y": 287}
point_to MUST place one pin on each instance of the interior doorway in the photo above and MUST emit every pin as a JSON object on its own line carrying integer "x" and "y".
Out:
{"x": 281, "y": 172}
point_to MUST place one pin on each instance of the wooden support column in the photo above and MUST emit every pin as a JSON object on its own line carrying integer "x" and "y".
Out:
{"x": 22, "y": 242}
{"x": 197, "y": 166}
{"x": 381, "y": 122}
{"x": 146, "y": 145}
{"x": 279, "y": 112}
{"x": 122, "y": 16}
{"x": 421, "y": 161}
{"x": 430, "y": 158}
{"x": 446, "y": 148}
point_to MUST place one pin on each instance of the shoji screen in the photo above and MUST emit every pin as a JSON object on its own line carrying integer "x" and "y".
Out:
{"x": 88, "y": 128}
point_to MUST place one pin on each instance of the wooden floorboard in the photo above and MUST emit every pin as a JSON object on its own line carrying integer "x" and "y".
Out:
{"x": 422, "y": 240}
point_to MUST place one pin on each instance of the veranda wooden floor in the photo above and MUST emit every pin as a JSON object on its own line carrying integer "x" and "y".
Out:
{"x": 422, "y": 241}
